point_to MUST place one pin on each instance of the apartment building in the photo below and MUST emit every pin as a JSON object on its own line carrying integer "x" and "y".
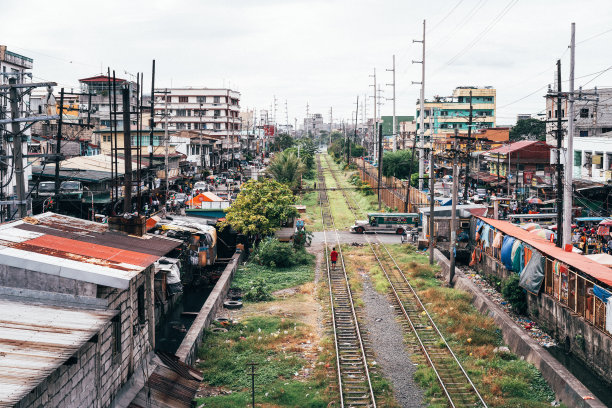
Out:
{"x": 13, "y": 65}
{"x": 444, "y": 114}
{"x": 212, "y": 112}
{"x": 101, "y": 88}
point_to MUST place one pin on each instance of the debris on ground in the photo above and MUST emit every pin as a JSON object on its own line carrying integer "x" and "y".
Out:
{"x": 527, "y": 324}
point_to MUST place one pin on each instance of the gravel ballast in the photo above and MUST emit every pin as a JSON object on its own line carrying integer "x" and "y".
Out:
{"x": 387, "y": 341}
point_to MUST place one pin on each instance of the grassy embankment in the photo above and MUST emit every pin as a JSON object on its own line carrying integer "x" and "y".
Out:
{"x": 503, "y": 379}
{"x": 281, "y": 336}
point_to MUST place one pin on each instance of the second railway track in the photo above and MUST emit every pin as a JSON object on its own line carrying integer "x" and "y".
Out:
{"x": 456, "y": 384}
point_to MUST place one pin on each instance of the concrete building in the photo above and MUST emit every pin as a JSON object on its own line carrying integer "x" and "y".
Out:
{"x": 78, "y": 310}
{"x": 593, "y": 158}
{"x": 213, "y": 112}
{"x": 100, "y": 86}
{"x": 445, "y": 114}
{"x": 13, "y": 65}
{"x": 314, "y": 124}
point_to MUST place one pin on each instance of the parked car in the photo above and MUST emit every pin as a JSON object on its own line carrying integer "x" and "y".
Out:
{"x": 72, "y": 189}
{"x": 46, "y": 188}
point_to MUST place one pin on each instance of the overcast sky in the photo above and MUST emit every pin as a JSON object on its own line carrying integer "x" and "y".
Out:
{"x": 318, "y": 52}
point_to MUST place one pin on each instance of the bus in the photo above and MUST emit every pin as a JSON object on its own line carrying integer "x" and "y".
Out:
{"x": 386, "y": 222}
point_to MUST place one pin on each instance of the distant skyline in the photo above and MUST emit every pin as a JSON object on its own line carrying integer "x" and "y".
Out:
{"x": 319, "y": 52}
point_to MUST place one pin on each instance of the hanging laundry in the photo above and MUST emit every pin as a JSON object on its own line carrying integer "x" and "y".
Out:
{"x": 485, "y": 236}
{"x": 497, "y": 241}
{"x": 506, "y": 251}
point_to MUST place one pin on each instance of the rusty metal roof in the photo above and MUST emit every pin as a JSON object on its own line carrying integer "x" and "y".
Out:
{"x": 172, "y": 384}
{"x": 79, "y": 249}
{"x": 36, "y": 339}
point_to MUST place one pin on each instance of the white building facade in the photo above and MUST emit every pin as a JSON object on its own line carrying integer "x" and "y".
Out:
{"x": 211, "y": 112}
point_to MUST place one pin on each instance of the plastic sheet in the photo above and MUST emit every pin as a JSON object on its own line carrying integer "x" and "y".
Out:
{"x": 506, "y": 251}
{"x": 533, "y": 274}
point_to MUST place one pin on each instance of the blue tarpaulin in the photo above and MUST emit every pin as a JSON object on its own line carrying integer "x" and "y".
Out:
{"x": 601, "y": 293}
{"x": 506, "y": 251}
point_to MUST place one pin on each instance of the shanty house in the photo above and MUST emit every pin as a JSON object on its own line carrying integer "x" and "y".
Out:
{"x": 78, "y": 318}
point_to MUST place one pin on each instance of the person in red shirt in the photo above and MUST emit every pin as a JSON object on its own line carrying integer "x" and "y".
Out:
{"x": 333, "y": 257}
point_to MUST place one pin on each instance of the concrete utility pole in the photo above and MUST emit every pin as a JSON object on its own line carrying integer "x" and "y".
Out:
{"x": 151, "y": 128}
{"x": 17, "y": 149}
{"x": 569, "y": 153}
{"x": 394, "y": 133}
{"x": 375, "y": 127}
{"x": 127, "y": 151}
{"x": 201, "y": 147}
{"x": 58, "y": 150}
{"x": 559, "y": 171}
{"x": 331, "y": 120}
{"x": 166, "y": 142}
{"x": 380, "y": 159}
{"x": 431, "y": 206}
{"x": 422, "y": 114}
{"x": 453, "y": 226}
{"x": 468, "y": 148}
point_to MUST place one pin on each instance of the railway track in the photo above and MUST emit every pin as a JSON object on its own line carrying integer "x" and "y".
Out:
{"x": 456, "y": 384}
{"x": 355, "y": 386}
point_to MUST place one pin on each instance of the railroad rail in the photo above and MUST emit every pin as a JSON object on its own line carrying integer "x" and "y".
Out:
{"x": 355, "y": 386}
{"x": 453, "y": 378}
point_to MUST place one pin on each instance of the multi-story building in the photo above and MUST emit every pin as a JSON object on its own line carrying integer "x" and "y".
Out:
{"x": 445, "y": 114}
{"x": 314, "y": 124}
{"x": 213, "y": 112}
{"x": 592, "y": 132}
{"x": 13, "y": 65}
{"x": 101, "y": 87}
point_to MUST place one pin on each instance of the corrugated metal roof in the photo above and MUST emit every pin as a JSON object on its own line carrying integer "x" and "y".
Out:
{"x": 79, "y": 249}
{"x": 36, "y": 339}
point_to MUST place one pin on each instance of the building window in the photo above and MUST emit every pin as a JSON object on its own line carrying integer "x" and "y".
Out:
{"x": 183, "y": 99}
{"x": 216, "y": 99}
{"x": 116, "y": 336}
{"x": 201, "y": 99}
{"x": 539, "y": 167}
{"x": 141, "y": 304}
{"x": 584, "y": 112}
{"x": 444, "y": 113}
{"x": 584, "y": 133}
{"x": 169, "y": 99}
{"x": 181, "y": 112}
{"x": 106, "y": 138}
{"x": 188, "y": 126}
{"x": 217, "y": 126}
{"x": 217, "y": 113}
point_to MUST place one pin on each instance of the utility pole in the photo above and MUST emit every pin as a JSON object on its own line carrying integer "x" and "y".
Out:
{"x": 468, "y": 146}
{"x": 410, "y": 175}
{"x": 431, "y": 206}
{"x": 356, "y": 119}
{"x": 201, "y": 146}
{"x": 380, "y": 159}
{"x": 375, "y": 127}
{"x": 151, "y": 129}
{"x": 559, "y": 198}
{"x": 394, "y": 133}
{"x": 166, "y": 142}
{"x": 127, "y": 151}
{"x": 58, "y": 150}
{"x": 422, "y": 111}
{"x": 331, "y": 120}
{"x": 453, "y": 226}
{"x": 17, "y": 150}
{"x": 569, "y": 153}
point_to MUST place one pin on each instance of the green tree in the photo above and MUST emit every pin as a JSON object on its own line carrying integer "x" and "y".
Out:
{"x": 281, "y": 142}
{"x": 286, "y": 168}
{"x": 261, "y": 208}
{"x": 398, "y": 164}
{"x": 526, "y": 128}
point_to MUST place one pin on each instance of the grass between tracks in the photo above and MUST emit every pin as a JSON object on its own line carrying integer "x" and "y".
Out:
{"x": 503, "y": 379}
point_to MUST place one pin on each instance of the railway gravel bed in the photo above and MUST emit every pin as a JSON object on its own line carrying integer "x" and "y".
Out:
{"x": 387, "y": 341}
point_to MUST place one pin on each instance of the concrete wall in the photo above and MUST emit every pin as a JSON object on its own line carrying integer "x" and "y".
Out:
{"x": 188, "y": 350}
{"x": 25, "y": 279}
{"x": 567, "y": 388}
{"x": 569, "y": 329}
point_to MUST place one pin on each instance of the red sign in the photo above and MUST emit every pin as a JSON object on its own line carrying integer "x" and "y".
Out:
{"x": 527, "y": 176}
{"x": 269, "y": 130}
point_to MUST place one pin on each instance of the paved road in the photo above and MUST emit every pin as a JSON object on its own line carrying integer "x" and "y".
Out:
{"x": 347, "y": 237}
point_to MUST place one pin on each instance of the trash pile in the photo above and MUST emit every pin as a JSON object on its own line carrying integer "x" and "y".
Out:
{"x": 527, "y": 324}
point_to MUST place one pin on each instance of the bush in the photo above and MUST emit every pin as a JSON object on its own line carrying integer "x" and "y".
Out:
{"x": 514, "y": 294}
{"x": 275, "y": 254}
{"x": 258, "y": 292}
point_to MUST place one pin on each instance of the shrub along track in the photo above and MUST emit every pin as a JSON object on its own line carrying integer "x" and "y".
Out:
{"x": 451, "y": 375}
{"x": 355, "y": 385}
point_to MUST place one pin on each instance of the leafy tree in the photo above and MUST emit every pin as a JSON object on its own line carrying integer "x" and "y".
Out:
{"x": 260, "y": 208}
{"x": 286, "y": 168}
{"x": 414, "y": 179}
{"x": 526, "y": 128}
{"x": 281, "y": 142}
{"x": 398, "y": 164}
